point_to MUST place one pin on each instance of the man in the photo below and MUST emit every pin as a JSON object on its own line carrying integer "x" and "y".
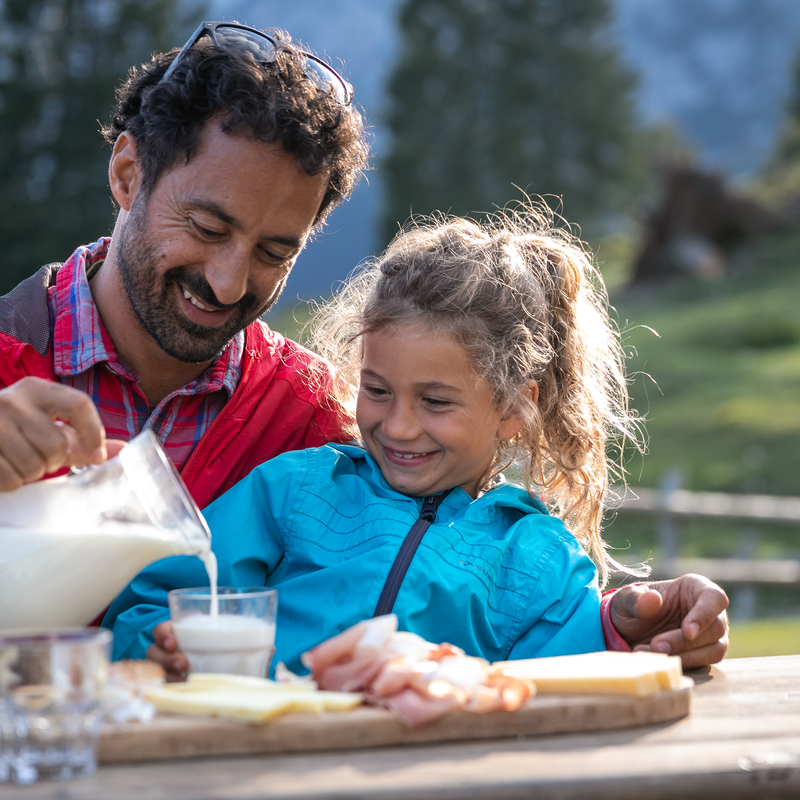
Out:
{"x": 220, "y": 171}
{"x": 225, "y": 157}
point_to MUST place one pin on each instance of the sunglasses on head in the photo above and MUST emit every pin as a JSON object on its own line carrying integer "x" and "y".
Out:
{"x": 265, "y": 49}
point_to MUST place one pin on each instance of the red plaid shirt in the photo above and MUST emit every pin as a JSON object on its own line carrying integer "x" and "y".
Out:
{"x": 84, "y": 357}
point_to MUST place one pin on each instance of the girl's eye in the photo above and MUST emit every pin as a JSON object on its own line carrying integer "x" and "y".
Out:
{"x": 436, "y": 402}
{"x": 375, "y": 391}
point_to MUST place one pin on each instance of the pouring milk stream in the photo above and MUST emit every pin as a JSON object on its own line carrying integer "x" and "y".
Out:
{"x": 69, "y": 545}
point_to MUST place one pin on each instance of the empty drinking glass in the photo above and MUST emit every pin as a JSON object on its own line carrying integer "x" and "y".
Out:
{"x": 51, "y": 685}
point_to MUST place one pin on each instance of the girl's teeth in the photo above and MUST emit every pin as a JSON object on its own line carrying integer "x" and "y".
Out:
{"x": 407, "y": 455}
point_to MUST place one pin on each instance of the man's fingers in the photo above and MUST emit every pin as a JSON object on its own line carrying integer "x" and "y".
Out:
{"x": 113, "y": 446}
{"x": 675, "y": 643}
{"x": 632, "y": 610}
{"x": 626, "y": 601}
{"x": 710, "y": 604}
{"x": 22, "y": 461}
{"x": 45, "y": 426}
{"x": 649, "y": 602}
{"x": 10, "y": 478}
{"x": 703, "y": 656}
{"x": 77, "y": 409}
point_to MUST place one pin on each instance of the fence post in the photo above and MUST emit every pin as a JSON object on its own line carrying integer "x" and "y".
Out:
{"x": 668, "y": 529}
{"x": 743, "y": 603}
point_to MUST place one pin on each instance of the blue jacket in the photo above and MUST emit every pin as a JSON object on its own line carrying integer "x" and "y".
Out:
{"x": 497, "y": 576}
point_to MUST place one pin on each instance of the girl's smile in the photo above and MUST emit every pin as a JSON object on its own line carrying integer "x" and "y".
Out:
{"x": 424, "y": 415}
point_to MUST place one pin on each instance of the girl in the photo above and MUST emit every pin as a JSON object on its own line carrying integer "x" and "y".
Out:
{"x": 476, "y": 349}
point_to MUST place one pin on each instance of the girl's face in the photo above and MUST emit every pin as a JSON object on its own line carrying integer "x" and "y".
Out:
{"x": 424, "y": 415}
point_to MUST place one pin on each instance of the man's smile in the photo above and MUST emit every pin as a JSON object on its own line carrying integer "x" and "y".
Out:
{"x": 200, "y": 313}
{"x": 195, "y": 302}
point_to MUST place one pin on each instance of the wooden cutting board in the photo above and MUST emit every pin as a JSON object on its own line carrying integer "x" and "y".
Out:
{"x": 172, "y": 736}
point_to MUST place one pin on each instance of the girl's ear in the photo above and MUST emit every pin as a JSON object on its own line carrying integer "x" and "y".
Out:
{"x": 509, "y": 427}
{"x": 124, "y": 175}
{"x": 512, "y": 423}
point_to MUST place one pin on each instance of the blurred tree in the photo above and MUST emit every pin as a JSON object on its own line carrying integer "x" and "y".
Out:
{"x": 60, "y": 62}
{"x": 787, "y": 150}
{"x": 492, "y": 94}
{"x": 779, "y": 184}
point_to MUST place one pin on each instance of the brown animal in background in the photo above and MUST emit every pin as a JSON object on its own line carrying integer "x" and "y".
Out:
{"x": 698, "y": 226}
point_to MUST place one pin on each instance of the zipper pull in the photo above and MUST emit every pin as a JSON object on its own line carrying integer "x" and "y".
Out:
{"x": 430, "y": 505}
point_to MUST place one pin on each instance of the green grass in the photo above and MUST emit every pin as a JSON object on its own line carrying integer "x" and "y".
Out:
{"x": 720, "y": 384}
{"x": 765, "y": 637}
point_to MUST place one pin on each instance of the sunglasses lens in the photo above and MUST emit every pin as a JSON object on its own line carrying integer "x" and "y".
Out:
{"x": 242, "y": 41}
{"x": 326, "y": 79}
{"x": 262, "y": 49}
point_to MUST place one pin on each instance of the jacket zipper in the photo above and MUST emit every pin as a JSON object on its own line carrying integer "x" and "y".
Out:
{"x": 427, "y": 516}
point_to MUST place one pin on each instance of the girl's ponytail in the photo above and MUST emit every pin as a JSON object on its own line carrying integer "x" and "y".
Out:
{"x": 583, "y": 397}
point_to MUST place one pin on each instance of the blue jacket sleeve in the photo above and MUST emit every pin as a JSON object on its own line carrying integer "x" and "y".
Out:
{"x": 247, "y": 526}
{"x": 142, "y": 604}
{"x": 563, "y": 616}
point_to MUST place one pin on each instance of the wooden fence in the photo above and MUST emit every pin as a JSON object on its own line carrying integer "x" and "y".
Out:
{"x": 671, "y": 505}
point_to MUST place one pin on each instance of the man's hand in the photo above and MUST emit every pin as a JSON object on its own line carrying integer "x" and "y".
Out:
{"x": 685, "y": 616}
{"x": 164, "y": 651}
{"x": 45, "y": 426}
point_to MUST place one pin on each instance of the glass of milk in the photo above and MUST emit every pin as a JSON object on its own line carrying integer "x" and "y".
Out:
{"x": 237, "y": 637}
{"x": 51, "y": 686}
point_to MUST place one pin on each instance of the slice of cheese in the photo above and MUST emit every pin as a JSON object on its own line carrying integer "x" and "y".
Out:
{"x": 251, "y": 705}
{"x": 640, "y": 673}
{"x": 210, "y": 681}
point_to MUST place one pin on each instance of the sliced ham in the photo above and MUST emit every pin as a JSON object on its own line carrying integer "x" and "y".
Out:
{"x": 417, "y": 680}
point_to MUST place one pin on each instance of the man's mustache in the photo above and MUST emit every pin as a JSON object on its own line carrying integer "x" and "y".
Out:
{"x": 202, "y": 290}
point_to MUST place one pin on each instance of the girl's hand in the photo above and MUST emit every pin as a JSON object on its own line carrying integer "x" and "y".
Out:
{"x": 683, "y": 617}
{"x": 164, "y": 651}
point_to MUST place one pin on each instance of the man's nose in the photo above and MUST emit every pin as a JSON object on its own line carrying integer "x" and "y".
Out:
{"x": 227, "y": 273}
{"x": 401, "y": 422}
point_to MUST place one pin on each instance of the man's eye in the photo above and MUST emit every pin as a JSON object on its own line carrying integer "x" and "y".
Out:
{"x": 275, "y": 258}
{"x": 209, "y": 234}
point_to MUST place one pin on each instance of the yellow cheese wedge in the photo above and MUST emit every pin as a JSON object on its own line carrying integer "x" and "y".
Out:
{"x": 246, "y": 703}
{"x": 210, "y": 681}
{"x": 639, "y": 674}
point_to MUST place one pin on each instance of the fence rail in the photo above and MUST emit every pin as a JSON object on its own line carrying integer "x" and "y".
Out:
{"x": 671, "y": 505}
{"x": 682, "y": 503}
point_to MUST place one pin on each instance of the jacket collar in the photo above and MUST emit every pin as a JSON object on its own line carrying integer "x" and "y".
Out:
{"x": 497, "y": 501}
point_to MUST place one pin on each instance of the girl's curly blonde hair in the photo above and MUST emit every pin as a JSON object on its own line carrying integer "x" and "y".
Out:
{"x": 523, "y": 299}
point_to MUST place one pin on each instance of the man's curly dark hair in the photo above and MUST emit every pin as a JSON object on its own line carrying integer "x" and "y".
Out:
{"x": 271, "y": 102}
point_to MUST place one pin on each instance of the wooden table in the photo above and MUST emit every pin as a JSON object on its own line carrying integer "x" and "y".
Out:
{"x": 741, "y": 740}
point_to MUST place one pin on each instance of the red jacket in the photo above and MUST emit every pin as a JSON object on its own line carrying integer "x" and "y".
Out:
{"x": 272, "y": 410}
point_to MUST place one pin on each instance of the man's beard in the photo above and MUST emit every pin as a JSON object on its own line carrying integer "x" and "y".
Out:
{"x": 153, "y": 299}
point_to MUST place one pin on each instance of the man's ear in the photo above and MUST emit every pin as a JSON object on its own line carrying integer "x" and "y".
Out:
{"x": 124, "y": 175}
{"x": 512, "y": 423}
